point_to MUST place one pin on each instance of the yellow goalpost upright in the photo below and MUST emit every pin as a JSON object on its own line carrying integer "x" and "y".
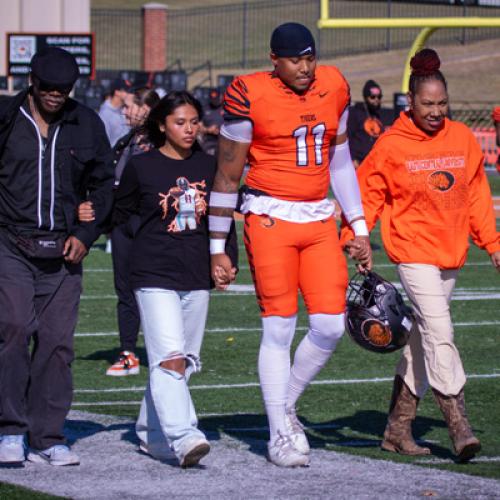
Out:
{"x": 428, "y": 24}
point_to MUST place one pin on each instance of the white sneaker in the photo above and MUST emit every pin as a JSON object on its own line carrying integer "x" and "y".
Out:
{"x": 59, "y": 454}
{"x": 12, "y": 450}
{"x": 284, "y": 454}
{"x": 296, "y": 432}
{"x": 191, "y": 450}
{"x": 160, "y": 452}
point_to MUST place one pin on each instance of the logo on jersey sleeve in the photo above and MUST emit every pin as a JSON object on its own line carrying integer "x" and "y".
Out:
{"x": 441, "y": 180}
{"x": 188, "y": 201}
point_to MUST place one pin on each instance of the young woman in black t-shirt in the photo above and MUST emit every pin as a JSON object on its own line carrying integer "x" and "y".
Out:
{"x": 168, "y": 189}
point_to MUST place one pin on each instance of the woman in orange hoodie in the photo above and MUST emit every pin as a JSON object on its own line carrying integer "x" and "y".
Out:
{"x": 425, "y": 179}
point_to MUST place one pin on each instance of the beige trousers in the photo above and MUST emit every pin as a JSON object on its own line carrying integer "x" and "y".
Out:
{"x": 430, "y": 357}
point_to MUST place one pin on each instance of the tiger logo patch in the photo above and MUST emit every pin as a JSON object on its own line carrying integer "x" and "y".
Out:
{"x": 376, "y": 333}
{"x": 441, "y": 181}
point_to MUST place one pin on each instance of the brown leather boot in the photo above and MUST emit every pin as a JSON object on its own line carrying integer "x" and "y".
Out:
{"x": 403, "y": 409}
{"x": 453, "y": 408}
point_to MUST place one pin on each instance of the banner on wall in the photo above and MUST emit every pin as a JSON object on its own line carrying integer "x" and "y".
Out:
{"x": 22, "y": 46}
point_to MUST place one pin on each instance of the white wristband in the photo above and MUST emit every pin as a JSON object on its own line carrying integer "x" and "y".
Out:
{"x": 219, "y": 224}
{"x": 359, "y": 227}
{"x": 224, "y": 200}
{"x": 217, "y": 246}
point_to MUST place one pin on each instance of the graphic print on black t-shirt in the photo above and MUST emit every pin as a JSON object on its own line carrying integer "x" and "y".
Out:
{"x": 188, "y": 200}
{"x": 373, "y": 126}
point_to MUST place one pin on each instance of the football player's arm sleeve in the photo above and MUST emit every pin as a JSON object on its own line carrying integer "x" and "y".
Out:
{"x": 344, "y": 182}
{"x": 344, "y": 117}
{"x": 237, "y": 130}
{"x": 482, "y": 216}
{"x": 373, "y": 188}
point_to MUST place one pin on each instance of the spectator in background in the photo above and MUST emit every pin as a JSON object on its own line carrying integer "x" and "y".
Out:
{"x": 52, "y": 150}
{"x": 136, "y": 109}
{"x": 496, "y": 121}
{"x": 366, "y": 122}
{"x": 212, "y": 122}
{"x": 111, "y": 111}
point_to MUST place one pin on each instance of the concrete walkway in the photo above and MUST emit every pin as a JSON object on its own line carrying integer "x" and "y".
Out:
{"x": 112, "y": 469}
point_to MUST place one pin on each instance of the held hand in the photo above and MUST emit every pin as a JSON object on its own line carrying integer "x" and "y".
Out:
{"x": 495, "y": 260}
{"x": 74, "y": 250}
{"x": 86, "y": 212}
{"x": 222, "y": 279}
{"x": 223, "y": 271}
{"x": 359, "y": 249}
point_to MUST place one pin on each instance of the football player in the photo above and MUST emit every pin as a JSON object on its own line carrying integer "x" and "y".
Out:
{"x": 291, "y": 125}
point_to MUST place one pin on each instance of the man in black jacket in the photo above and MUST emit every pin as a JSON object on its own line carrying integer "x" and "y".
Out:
{"x": 54, "y": 153}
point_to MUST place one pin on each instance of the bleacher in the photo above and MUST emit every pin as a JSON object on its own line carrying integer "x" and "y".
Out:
{"x": 93, "y": 92}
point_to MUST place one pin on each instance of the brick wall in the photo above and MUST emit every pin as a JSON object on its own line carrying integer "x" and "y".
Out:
{"x": 154, "y": 37}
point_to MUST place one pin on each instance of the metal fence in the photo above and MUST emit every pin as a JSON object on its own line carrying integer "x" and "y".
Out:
{"x": 237, "y": 35}
{"x": 118, "y": 38}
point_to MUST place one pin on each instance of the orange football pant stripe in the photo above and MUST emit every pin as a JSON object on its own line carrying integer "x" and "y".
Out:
{"x": 287, "y": 256}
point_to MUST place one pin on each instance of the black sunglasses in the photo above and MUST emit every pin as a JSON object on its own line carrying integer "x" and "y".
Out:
{"x": 47, "y": 87}
{"x": 375, "y": 96}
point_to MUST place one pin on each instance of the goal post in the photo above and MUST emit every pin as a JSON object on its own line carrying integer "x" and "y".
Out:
{"x": 428, "y": 24}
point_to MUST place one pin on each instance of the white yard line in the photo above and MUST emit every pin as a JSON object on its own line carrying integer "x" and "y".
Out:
{"x": 258, "y": 329}
{"x": 432, "y": 461}
{"x": 246, "y": 267}
{"x": 460, "y": 294}
{"x": 375, "y": 380}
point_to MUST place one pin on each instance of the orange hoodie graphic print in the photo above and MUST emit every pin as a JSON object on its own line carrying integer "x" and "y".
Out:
{"x": 292, "y": 133}
{"x": 430, "y": 192}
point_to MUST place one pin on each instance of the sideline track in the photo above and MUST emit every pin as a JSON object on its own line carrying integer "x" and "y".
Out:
{"x": 112, "y": 468}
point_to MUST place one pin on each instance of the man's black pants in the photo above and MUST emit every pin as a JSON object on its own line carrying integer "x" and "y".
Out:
{"x": 128, "y": 314}
{"x": 38, "y": 313}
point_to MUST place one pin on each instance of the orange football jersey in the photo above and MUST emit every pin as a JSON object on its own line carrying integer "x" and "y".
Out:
{"x": 292, "y": 133}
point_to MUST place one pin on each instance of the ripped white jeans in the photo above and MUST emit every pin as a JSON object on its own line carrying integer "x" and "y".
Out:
{"x": 173, "y": 323}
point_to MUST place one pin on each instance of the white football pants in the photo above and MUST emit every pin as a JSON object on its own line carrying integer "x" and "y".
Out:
{"x": 173, "y": 324}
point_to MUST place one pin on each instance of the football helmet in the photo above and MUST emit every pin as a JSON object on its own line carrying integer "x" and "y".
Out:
{"x": 377, "y": 318}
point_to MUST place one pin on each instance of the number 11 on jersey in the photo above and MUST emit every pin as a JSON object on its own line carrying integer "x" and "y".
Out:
{"x": 300, "y": 134}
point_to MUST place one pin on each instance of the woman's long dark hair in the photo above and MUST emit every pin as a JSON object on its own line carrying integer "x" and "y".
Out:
{"x": 166, "y": 107}
{"x": 425, "y": 66}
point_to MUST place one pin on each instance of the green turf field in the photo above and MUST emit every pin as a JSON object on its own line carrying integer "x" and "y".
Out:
{"x": 494, "y": 180}
{"x": 344, "y": 411}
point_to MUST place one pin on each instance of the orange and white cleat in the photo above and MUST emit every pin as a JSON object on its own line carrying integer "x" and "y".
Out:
{"x": 126, "y": 364}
